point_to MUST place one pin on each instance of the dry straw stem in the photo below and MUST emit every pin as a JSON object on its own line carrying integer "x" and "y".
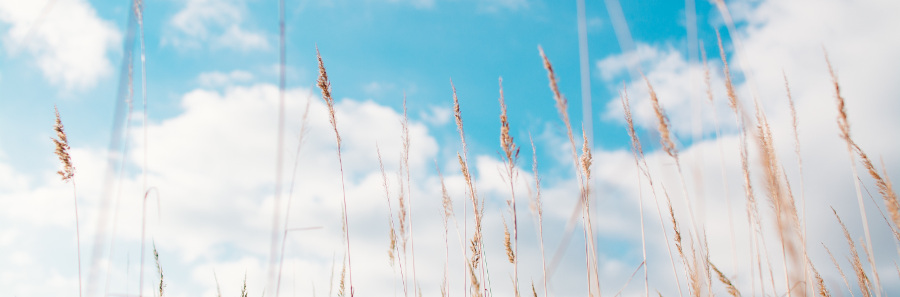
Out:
{"x": 387, "y": 195}
{"x": 840, "y": 271}
{"x": 844, "y": 126}
{"x": 405, "y": 164}
{"x": 668, "y": 146}
{"x": 641, "y": 163}
{"x": 446, "y": 214}
{"x": 287, "y": 216}
{"x": 732, "y": 290}
{"x": 634, "y": 148}
{"x": 752, "y": 205}
{"x": 477, "y": 244}
{"x": 795, "y": 124}
{"x": 511, "y": 152}
{"x": 68, "y": 174}
{"x": 726, "y": 191}
{"x": 562, "y": 108}
{"x": 782, "y": 202}
{"x": 861, "y": 278}
{"x": 325, "y": 86}
{"x": 538, "y": 209}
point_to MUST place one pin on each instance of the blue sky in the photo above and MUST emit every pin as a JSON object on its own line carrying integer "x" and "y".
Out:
{"x": 212, "y": 74}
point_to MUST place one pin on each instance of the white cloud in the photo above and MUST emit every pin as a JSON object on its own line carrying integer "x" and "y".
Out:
{"x": 70, "y": 43}
{"x": 219, "y": 79}
{"x": 436, "y": 115}
{"x": 219, "y": 23}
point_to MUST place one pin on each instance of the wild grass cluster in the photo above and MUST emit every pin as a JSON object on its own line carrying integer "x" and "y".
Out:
{"x": 693, "y": 271}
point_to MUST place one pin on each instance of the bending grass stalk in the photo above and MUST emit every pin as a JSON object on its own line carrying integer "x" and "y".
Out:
{"x": 477, "y": 244}
{"x": 287, "y": 214}
{"x": 562, "y": 108}
{"x": 393, "y": 250}
{"x": 752, "y": 207}
{"x": 511, "y": 152}
{"x": 840, "y": 271}
{"x": 446, "y": 214}
{"x": 325, "y": 86}
{"x": 279, "y": 151}
{"x": 669, "y": 147}
{"x": 861, "y": 278}
{"x": 844, "y": 126}
{"x": 782, "y": 203}
{"x": 795, "y": 125}
{"x": 538, "y": 209}
{"x": 638, "y": 153}
{"x": 67, "y": 174}
{"x": 405, "y": 138}
{"x": 709, "y": 93}
{"x": 448, "y": 210}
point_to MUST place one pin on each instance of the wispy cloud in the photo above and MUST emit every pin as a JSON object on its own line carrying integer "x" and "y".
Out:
{"x": 70, "y": 43}
{"x": 217, "y": 23}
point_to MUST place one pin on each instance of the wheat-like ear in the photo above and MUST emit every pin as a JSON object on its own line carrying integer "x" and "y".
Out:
{"x": 62, "y": 149}
{"x": 732, "y": 290}
{"x": 159, "y": 268}
{"x": 665, "y": 136}
{"x": 67, "y": 174}
{"x": 244, "y": 292}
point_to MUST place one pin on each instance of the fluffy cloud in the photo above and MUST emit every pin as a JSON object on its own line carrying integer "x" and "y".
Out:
{"x": 219, "y": 23}
{"x": 68, "y": 40}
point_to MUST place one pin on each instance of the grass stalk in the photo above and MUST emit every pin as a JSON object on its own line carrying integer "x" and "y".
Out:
{"x": 325, "y": 86}
{"x": 538, "y": 210}
{"x": 638, "y": 152}
{"x": 844, "y": 125}
{"x": 511, "y": 154}
{"x": 287, "y": 214}
{"x": 67, "y": 174}
{"x": 477, "y": 242}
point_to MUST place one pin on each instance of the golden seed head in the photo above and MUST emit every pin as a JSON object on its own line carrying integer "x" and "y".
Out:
{"x": 62, "y": 149}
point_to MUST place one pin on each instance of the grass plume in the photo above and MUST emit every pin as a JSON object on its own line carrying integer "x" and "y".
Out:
{"x": 325, "y": 86}
{"x": 67, "y": 174}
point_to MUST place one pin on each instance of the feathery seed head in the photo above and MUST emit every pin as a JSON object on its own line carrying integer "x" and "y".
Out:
{"x": 62, "y": 149}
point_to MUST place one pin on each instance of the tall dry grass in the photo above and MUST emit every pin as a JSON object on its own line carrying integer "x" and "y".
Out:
{"x": 697, "y": 271}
